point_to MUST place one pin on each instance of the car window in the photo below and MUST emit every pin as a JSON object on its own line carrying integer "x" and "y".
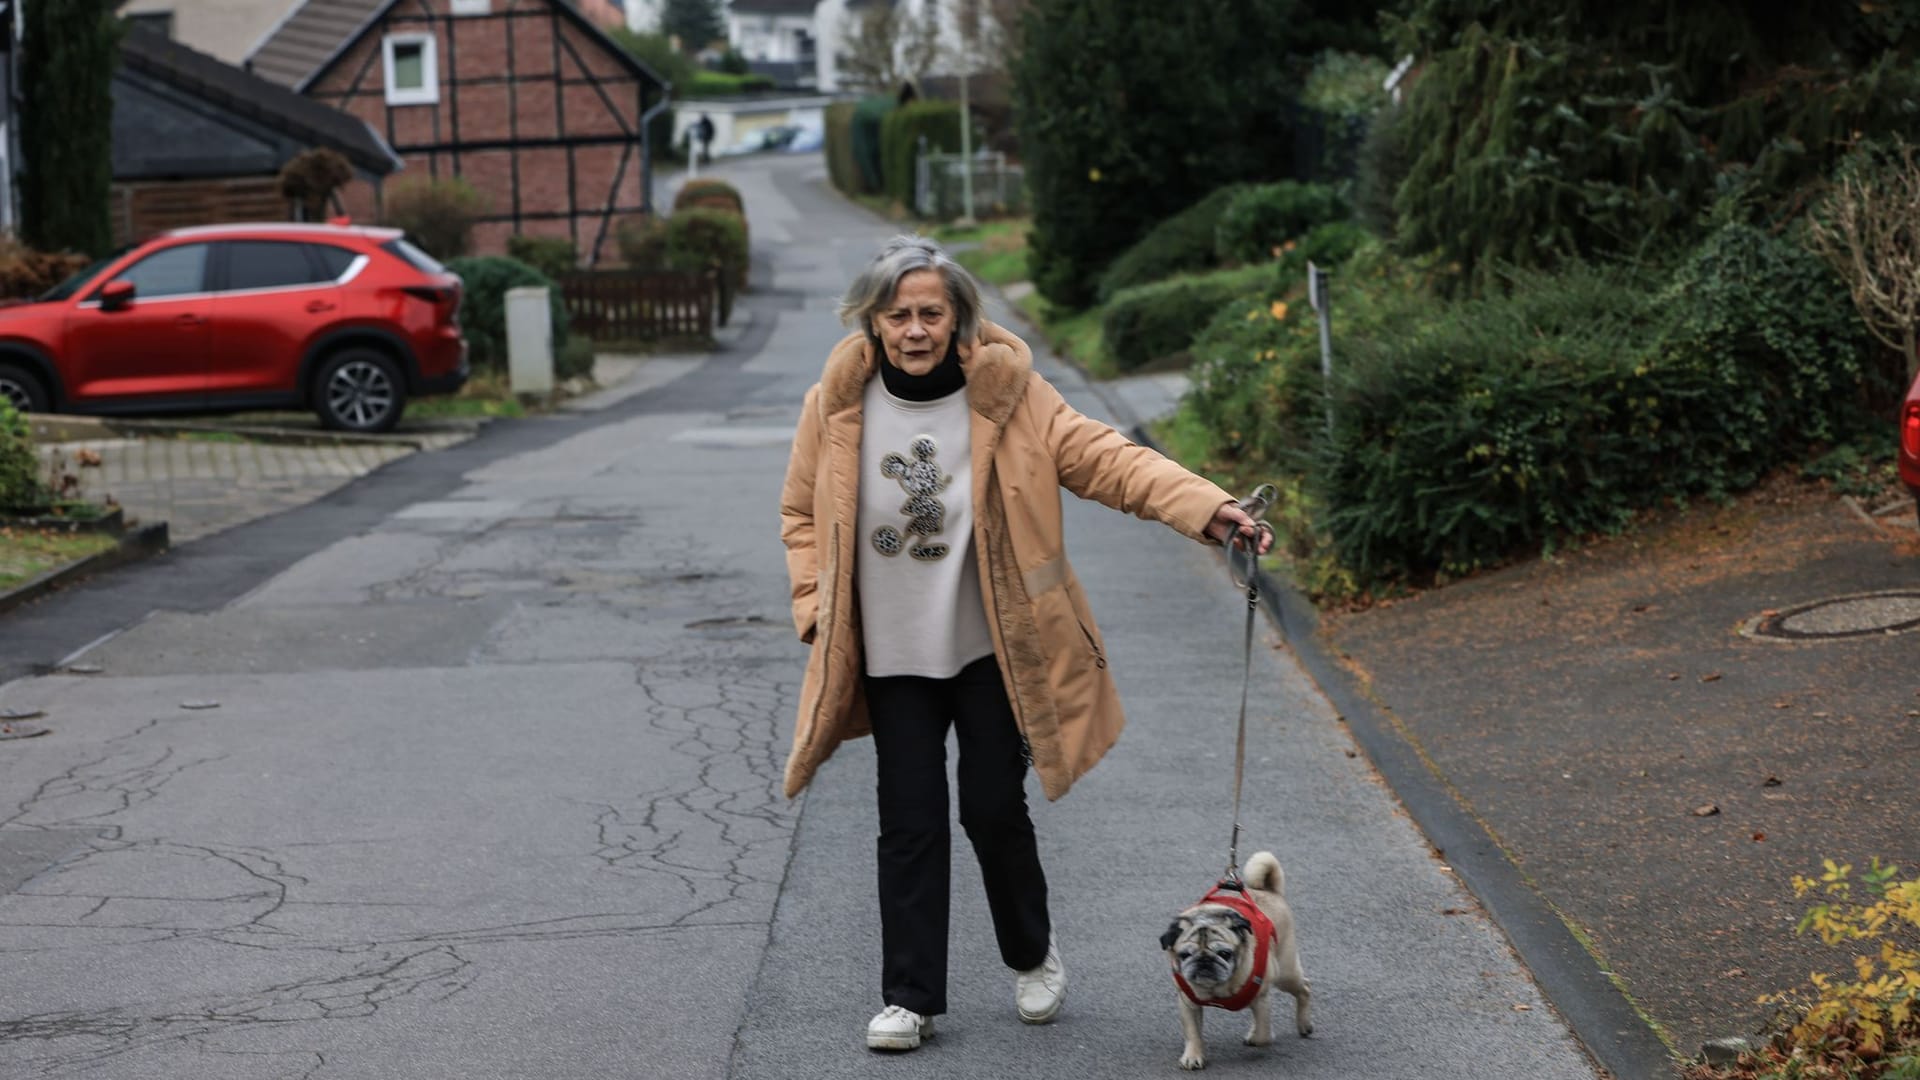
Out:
{"x": 413, "y": 257}
{"x": 334, "y": 260}
{"x": 270, "y": 264}
{"x": 173, "y": 271}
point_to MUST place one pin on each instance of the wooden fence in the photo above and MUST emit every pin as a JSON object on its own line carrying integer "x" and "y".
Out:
{"x": 643, "y": 305}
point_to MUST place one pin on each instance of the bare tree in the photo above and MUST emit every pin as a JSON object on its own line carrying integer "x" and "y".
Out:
{"x": 1868, "y": 230}
{"x": 884, "y": 47}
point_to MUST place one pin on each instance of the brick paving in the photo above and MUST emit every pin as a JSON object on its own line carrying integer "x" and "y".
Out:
{"x": 202, "y": 485}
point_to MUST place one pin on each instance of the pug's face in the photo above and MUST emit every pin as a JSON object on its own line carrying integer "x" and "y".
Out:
{"x": 1211, "y": 946}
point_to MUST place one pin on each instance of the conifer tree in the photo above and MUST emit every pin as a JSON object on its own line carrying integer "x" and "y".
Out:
{"x": 696, "y": 23}
{"x": 71, "y": 48}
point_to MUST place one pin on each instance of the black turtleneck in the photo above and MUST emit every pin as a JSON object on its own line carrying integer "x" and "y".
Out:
{"x": 944, "y": 379}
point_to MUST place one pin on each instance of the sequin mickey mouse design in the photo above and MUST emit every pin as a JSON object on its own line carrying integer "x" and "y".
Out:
{"x": 923, "y": 481}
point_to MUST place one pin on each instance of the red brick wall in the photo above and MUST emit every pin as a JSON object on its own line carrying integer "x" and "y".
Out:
{"x": 482, "y": 132}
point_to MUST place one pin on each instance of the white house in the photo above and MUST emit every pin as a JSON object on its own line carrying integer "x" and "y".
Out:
{"x": 643, "y": 16}
{"x": 772, "y": 31}
{"x": 834, "y": 18}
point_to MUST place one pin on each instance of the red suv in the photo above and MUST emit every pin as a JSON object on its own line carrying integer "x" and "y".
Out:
{"x": 1910, "y": 441}
{"x": 347, "y": 321}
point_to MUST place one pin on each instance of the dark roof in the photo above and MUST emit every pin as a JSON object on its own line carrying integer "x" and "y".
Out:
{"x": 774, "y": 7}
{"x": 317, "y": 33}
{"x": 235, "y": 94}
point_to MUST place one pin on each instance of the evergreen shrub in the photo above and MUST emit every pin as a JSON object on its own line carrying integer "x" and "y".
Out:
{"x": 1132, "y": 110}
{"x": 708, "y": 191}
{"x": 938, "y": 122}
{"x": 20, "y": 485}
{"x": 1161, "y": 319}
{"x": 438, "y": 215}
{"x": 868, "y": 116}
{"x": 701, "y": 238}
{"x": 1264, "y": 217}
{"x": 553, "y": 256}
{"x": 837, "y": 133}
{"x": 485, "y": 280}
{"x": 1182, "y": 242}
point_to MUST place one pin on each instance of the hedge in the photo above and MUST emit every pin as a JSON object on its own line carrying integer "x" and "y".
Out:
{"x": 1465, "y": 432}
{"x": 1262, "y": 218}
{"x": 938, "y": 122}
{"x": 485, "y": 280}
{"x": 1182, "y": 242}
{"x": 868, "y": 115}
{"x": 838, "y": 148}
{"x": 1162, "y": 319}
{"x": 553, "y": 256}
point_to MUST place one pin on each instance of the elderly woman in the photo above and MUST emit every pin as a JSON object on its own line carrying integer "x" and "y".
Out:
{"x": 921, "y": 515}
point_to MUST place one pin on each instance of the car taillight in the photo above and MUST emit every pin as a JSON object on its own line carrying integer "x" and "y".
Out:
{"x": 1910, "y": 431}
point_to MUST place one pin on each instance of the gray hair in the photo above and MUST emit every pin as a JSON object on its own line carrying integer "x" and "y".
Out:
{"x": 873, "y": 289}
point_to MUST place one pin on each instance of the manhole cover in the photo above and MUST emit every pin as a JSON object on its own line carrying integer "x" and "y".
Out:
{"x": 1842, "y": 617}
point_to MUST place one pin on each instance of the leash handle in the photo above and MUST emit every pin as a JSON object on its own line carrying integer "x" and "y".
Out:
{"x": 1254, "y": 506}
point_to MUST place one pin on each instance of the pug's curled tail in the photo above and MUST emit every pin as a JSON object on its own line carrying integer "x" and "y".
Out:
{"x": 1263, "y": 872}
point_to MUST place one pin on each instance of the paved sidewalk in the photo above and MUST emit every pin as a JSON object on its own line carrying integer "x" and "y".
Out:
{"x": 200, "y": 486}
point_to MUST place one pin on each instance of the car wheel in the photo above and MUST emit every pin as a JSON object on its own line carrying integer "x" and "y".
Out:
{"x": 359, "y": 390}
{"x": 21, "y": 389}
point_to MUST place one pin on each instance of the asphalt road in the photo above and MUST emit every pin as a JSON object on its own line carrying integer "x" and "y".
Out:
{"x": 471, "y": 769}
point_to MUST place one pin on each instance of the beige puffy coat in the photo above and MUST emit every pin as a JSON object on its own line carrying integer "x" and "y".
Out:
{"x": 1028, "y": 443}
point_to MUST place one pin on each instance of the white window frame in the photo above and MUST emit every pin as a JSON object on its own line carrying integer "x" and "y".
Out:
{"x": 429, "y": 92}
{"x": 473, "y": 7}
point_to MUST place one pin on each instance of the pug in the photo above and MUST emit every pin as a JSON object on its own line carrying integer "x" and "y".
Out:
{"x": 1212, "y": 946}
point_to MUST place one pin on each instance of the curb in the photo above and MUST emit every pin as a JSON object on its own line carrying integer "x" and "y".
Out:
{"x": 137, "y": 544}
{"x": 58, "y": 427}
{"x": 1599, "y": 1013}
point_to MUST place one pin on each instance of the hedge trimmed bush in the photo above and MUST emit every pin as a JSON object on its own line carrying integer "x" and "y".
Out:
{"x": 702, "y": 237}
{"x": 20, "y": 486}
{"x": 485, "y": 280}
{"x": 900, "y": 133}
{"x": 438, "y": 215}
{"x": 1466, "y": 432}
{"x": 1162, "y": 319}
{"x": 1182, "y": 242}
{"x": 837, "y": 133}
{"x": 868, "y": 115}
{"x": 1264, "y": 217}
{"x": 706, "y": 191}
{"x": 553, "y": 256}
{"x": 643, "y": 242}
{"x": 723, "y": 84}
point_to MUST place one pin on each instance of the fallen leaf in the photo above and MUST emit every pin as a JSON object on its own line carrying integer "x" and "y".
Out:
{"x": 1759, "y": 836}
{"x": 1733, "y": 973}
{"x": 1783, "y": 704}
{"x": 1770, "y": 781}
{"x": 1673, "y": 676}
{"x": 1710, "y": 677}
{"x": 1705, "y": 811}
{"x": 1822, "y": 715}
{"x": 1453, "y": 911}
{"x": 1523, "y": 1007}
{"x": 1353, "y": 753}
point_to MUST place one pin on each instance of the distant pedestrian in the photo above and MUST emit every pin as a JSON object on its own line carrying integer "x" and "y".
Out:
{"x": 921, "y": 515}
{"x": 703, "y": 130}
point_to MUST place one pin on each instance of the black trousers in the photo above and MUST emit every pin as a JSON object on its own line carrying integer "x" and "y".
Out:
{"x": 910, "y": 720}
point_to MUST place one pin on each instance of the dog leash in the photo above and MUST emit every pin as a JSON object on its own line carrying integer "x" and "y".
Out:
{"x": 1255, "y": 507}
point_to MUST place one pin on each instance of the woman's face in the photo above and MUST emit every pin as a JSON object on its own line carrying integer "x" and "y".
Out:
{"x": 916, "y": 325}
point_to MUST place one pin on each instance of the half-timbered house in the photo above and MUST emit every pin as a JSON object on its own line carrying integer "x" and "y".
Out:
{"x": 529, "y": 101}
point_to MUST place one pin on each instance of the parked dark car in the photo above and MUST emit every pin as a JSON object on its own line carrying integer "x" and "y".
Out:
{"x": 348, "y": 321}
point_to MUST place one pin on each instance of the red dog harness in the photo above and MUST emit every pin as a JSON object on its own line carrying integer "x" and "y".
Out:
{"x": 1228, "y": 895}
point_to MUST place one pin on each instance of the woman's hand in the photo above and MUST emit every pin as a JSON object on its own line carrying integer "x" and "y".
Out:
{"x": 1230, "y": 520}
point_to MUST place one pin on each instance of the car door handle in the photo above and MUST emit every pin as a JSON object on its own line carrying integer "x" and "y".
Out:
{"x": 189, "y": 321}
{"x": 315, "y": 307}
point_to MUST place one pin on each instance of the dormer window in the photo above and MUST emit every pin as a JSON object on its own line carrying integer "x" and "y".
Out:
{"x": 413, "y": 76}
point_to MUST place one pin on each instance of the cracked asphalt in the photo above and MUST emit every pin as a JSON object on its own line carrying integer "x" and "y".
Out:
{"x": 471, "y": 769}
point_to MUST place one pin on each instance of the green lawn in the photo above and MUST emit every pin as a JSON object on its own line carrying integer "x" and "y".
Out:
{"x": 27, "y": 553}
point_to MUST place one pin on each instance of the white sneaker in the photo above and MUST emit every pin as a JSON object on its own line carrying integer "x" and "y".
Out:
{"x": 1038, "y": 992}
{"x": 898, "y": 1029}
